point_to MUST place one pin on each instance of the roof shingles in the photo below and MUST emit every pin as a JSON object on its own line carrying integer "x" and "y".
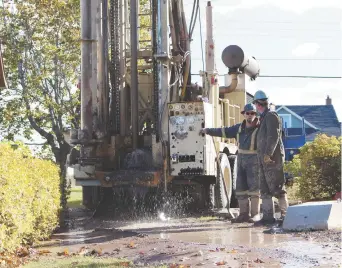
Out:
{"x": 322, "y": 116}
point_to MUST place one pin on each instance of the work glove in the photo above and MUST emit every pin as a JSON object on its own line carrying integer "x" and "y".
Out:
{"x": 203, "y": 131}
{"x": 268, "y": 160}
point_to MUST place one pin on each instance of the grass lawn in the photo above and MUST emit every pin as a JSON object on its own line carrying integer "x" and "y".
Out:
{"x": 82, "y": 262}
{"x": 75, "y": 199}
{"x": 78, "y": 261}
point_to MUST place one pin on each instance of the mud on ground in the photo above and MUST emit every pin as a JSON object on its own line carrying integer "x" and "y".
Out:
{"x": 192, "y": 241}
{"x": 330, "y": 236}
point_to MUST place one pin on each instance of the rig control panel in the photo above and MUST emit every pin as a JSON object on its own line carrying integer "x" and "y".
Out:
{"x": 191, "y": 154}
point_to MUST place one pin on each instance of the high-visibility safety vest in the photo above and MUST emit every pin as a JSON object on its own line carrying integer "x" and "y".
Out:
{"x": 252, "y": 147}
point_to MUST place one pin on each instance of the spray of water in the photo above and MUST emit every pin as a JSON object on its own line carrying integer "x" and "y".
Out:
{"x": 147, "y": 204}
{"x": 138, "y": 159}
{"x": 162, "y": 217}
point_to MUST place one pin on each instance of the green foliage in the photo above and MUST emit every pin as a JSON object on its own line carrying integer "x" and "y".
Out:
{"x": 43, "y": 152}
{"x": 145, "y": 23}
{"x": 317, "y": 168}
{"x": 41, "y": 57}
{"x": 29, "y": 196}
{"x": 145, "y": 30}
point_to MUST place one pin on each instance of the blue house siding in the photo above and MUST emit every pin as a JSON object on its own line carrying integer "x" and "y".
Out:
{"x": 295, "y": 122}
{"x": 298, "y": 131}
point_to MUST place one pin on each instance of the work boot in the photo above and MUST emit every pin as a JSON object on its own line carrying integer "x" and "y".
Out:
{"x": 283, "y": 205}
{"x": 267, "y": 213}
{"x": 244, "y": 211}
{"x": 255, "y": 209}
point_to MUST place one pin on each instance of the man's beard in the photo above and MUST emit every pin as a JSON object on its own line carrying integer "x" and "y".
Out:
{"x": 249, "y": 120}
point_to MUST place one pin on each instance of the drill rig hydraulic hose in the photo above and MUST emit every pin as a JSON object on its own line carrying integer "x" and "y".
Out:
{"x": 187, "y": 49}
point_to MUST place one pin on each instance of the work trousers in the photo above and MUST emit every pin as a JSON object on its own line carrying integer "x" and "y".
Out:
{"x": 247, "y": 182}
{"x": 272, "y": 177}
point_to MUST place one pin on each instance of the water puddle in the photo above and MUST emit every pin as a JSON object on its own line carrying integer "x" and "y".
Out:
{"x": 293, "y": 251}
{"x": 287, "y": 250}
{"x": 229, "y": 236}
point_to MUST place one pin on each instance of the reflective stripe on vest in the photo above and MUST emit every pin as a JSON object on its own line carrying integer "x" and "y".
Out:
{"x": 252, "y": 147}
{"x": 223, "y": 133}
{"x": 255, "y": 193}
{"x": 249, "y": 193}
{"x": 238, "y": 136}
{"x": 242, "y": 151}
{"x": 241, "y": 193}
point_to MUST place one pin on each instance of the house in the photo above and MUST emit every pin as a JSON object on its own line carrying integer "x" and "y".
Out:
{"x": 311, "y": 119}
{"x": 249, "y": 98}
{"x": 318, "y": 119}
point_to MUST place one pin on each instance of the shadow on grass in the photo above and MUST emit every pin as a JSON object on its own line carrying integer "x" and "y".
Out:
{"x": 75, "y": 204}
{"x": 75, "y": 198}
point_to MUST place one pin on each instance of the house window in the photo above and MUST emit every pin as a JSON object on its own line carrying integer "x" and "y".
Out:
{"x": 286, "y": 118}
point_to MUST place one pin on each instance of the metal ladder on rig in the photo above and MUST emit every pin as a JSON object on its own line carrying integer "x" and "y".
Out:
{"x": 145, "y": 46}
{"x": 231, "y": 115}
{"x": 120, "y": 49}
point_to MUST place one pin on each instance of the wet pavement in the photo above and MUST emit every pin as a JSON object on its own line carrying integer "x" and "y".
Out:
{"x": 196, "y": 241}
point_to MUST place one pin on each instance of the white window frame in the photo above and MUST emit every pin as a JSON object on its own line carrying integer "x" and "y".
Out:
{"x": 288, "y": 119}
{"x": 296, "y": 116}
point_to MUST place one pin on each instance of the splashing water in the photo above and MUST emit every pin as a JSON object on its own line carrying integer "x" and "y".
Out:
{"x": 162, "y": 217}
{"x": 138, "y": 159}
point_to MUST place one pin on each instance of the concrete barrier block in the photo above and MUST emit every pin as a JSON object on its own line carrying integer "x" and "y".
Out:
{"x": 314, "y": 216}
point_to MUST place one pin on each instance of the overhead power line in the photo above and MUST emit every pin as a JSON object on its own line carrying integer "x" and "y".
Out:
{"x": 35, "y": 144}
{"x": 337, "y": 22}
{"x": 292, "y": 76}
{"x": 291, "y": 59}
{"x": 284, "y": 59}
{"x": 300, "y": 76}
{"x": 251, "y": 29}
{"x": 279, "y": 34}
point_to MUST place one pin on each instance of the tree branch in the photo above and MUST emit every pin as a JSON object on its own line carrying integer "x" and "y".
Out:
{"x": 49, "y": 137}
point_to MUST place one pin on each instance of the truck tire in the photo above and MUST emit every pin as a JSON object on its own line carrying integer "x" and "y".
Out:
{"x": 233, "y": 166}
{"x": 211, "y": 197}
{"x": 223, "y": 186}
{"x": 91, "y": 196}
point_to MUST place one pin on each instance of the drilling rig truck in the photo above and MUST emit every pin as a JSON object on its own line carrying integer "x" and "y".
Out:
{"x": 140, "y": 112}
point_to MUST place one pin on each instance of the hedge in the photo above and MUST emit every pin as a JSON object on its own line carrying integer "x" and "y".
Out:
{"x": 29, "y": 197}
{"x": 317, "y": 169}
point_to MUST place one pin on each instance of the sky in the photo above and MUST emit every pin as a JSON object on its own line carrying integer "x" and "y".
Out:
{"x": 291, "y": 38}
{"x": 287, "y": 37}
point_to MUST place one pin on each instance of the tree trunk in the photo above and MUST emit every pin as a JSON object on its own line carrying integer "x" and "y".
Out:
{"x": 61, "y": 158}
